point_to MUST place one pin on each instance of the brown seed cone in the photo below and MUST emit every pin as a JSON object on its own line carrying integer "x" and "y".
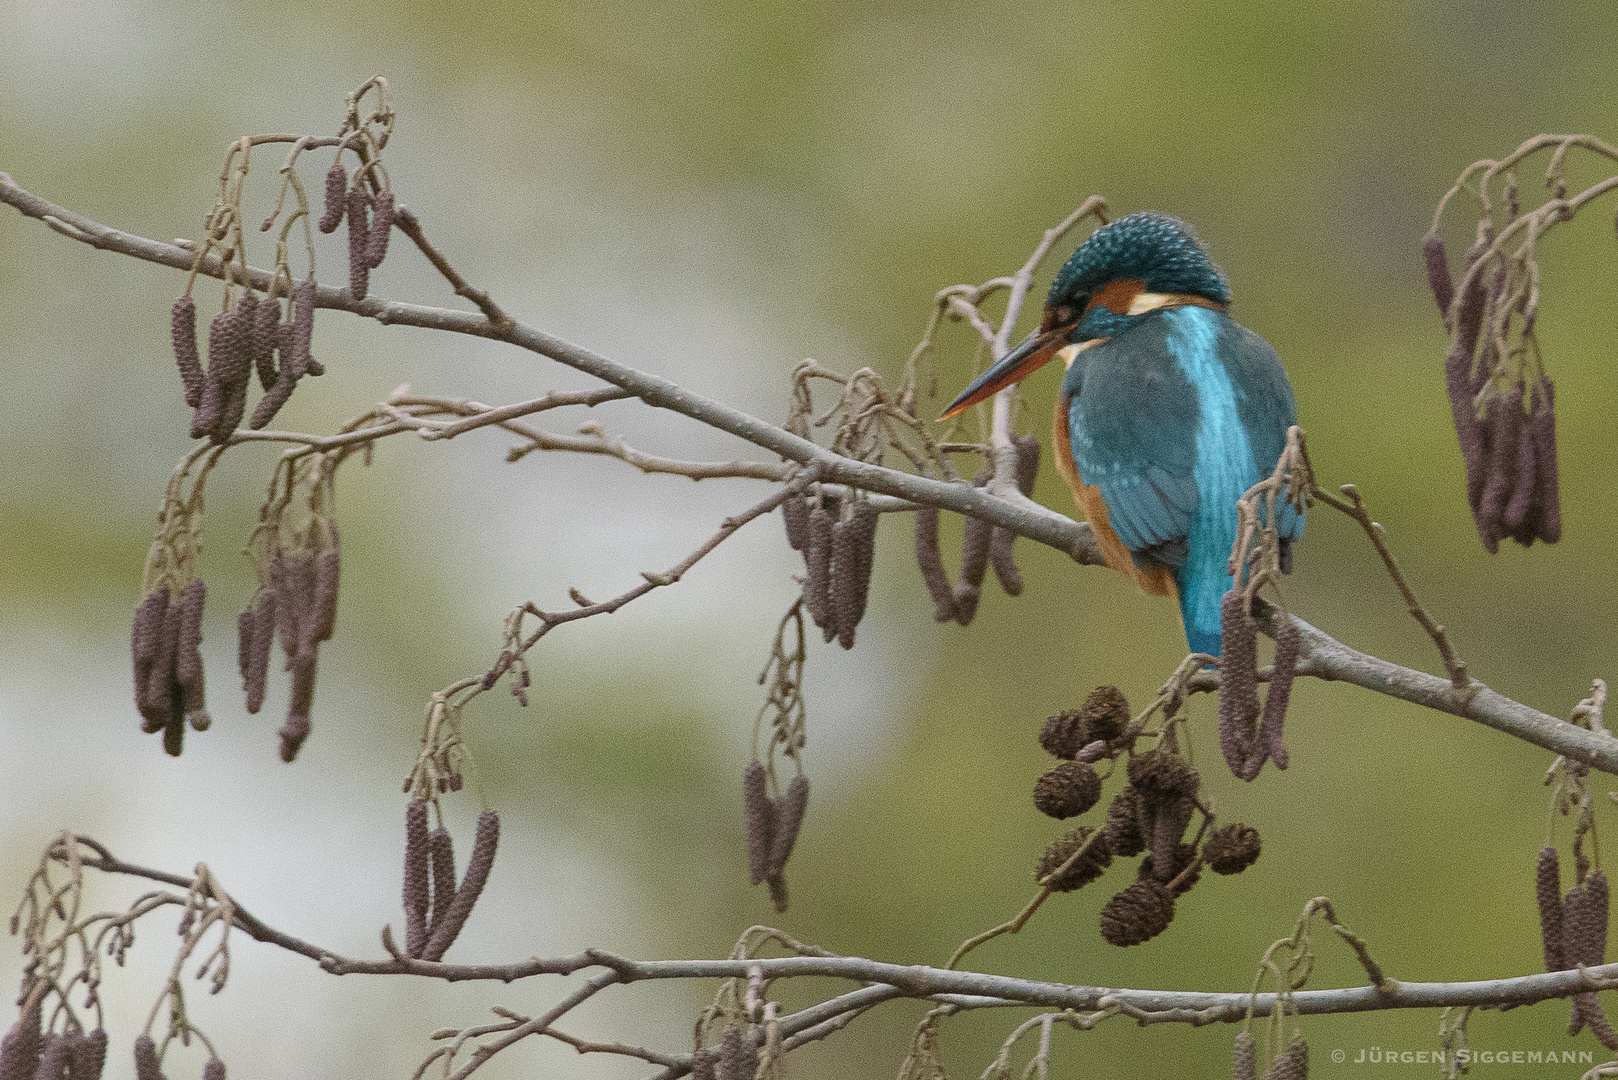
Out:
{"x": 359, "y": 242}
{"x": 738, "y": 1054}
{"x": 1438, "y": 279}
{"x": 266, "y": 335}
{"x": 1106, "y": 714}
{"x": 1124, "y": 825}
{"x": 759, "y": 814}
{"x": 1065, "y": 734}
{"x": 256, "y": 676}
{"x": 1138, "y": 914}
{"x": 89, "y": 1056}
{"x": 478, "y": 865}
{"x": 795, "y": 513}
{"x": 1081, "y": 873}
{"x": 1027, "y": 462}
{"x": 183, "y": 335}
{"x": 1162, "y": 777}
{"x": 417, "y": 891}
{"x": 817, "y": 569}
{"x": 1244, "y": 1057}
{"x": 147, "y": 1065}
{"x": 336, "y": 198}
{"x": 145, "y": 644}
{"x": 1548, "y": 892}
{"x": 930, "y": 561}
{"x": 212, "y": 401}
{"x": 1067, "y": 790}
{"x": 1230, "y": 849}
{"x": 213, "y": 1070}
{"x": 381, "y": 228}
{"x": 1003, "y": 561}
{"x": 188, "y": 650}
{"x": 1287, "y": 644}
{"x": 1542, "y": 424}
{"x": 234, "y": 371}
{"x": 1502, "y": 426}
{"x": 966, "y": 599}
{"x": 786, "y": 818}
{"x": 1238, "y": 687}
{"x": 441, "y": 860}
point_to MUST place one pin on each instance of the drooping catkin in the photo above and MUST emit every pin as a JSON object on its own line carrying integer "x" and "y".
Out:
{"x": 1502, "y": 424}
{"x": 1438, "y": 279}
{"x": 1027, "y": 462}
{"x": 1524, "y": 491}
{"x": 266, "y": 334}
{"x": 975, "y": 536}
{"x": 817, "y": 568}
{"x": 759, "y": 814}
{"x": 417, "y": 890}
{"x": 1287, "y": 645}
{"x": 214, "y": 1069}
{"x": 188, "y": 649}
{"x": 381, "y": 227}
{"x": 297, "y": 726}
{"x": 1004, "y": 562}
{"x": 89, "y": 1056}
{"x": 162, "y": 693}
{"x": 183, "y": 334}
{"x": 145, "y": 643}
{"x": 1460, "y": 382}
{"x": 359, "y": 243}
{"x": 323, "y": 604}
{"x": 237, "y": 372}
{"x": 1548, "y": 893}
{"x": 292, "y": 577}
{"x": 244, "y": 641}
{"x": 194, "y": 702}
{"x": 53, "y": 1056}
{"x": 704, "y": 1063}
{"x": 1292, "y": 1063}
{"x": 1238, "y": 684}
{"x": 930, "y": 560}
{"x": 1244, "y": 1057}
{"x": 787, "y": 815}
{"x": 19, "y": 1050}
{"x": 478, "y": 866}
{"x": 1123, "y": 824}
{"x": 441, "y": 860}
{"x": 738, "y": 1054}
{"x": 1542, "y": 424}
{"x": 293, "y": 341}
{"x": 212, "y": 400}
{"x": 795, "y": 513}
{"x": 256, "y": 676}
{"x": 853, "y": 553}
{"x": 1168, "y": 827}
{"x": 147, "y": 1065}
{"x": 336, "y": 202}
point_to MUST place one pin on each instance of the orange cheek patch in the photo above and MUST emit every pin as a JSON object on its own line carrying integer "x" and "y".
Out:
{"x": 1117, "y": 296}
{"x": 1154, "y": 580}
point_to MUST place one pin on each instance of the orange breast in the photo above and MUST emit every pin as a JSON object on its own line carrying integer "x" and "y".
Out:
{"x": 1156, "y": 579}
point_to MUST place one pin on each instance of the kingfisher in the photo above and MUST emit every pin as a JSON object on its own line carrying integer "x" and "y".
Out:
{"x": 1170, "y": 409}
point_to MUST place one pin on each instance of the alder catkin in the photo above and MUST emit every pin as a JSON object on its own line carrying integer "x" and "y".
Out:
{"x": 1027, "y": 462}
{"x": 323, "y": 604}
{"x": 703, "y": 1064}
{"x": 256, "y": 676}
{"x": 930, "y": 560}
{"x": 1287, "y": 644}
{"x": 1001, "y": 540}
{"x": 1460, "y": 383}
{"x": 1524, "y": 490}
{"x": 359, "y": 242}
{"x": 336, "y": 187}
{"x": 1438, "y": 279}
{"x": 19, "y": 1050}
{"x": 1542, "y": 423}
{"x": 759, "y": 814}
{"x": 145, "y": 643}
{"x": 1244, "y": 1057}
{"x": 266, "y": 334}
{"x": 787, "y": 818}
{"x": 188, "y": 650}
{"x": 1238, "y": 684}
{"x": 853, "y": 553}
{"x": 211, "y": 402}
{"x": 975, "y": 541}
{"x": 817, "y": 568}
{"x": 293, "y": 343}
{"x": 237, "y": 372}
{"x": 147, "y": 1065}
{"x": 381, "y": 227}
{"x": 478, "y": 865}
{"x": 213, "y": 1070}
{"x": 297, "y": 726}
{"x": 417, "y": 892}
{"x": 53, "y": 1056}
{"x": 738, "y": 1054}
{"x": 161, "y": 689}
{"x": 1502, "y": 424}
{"x": 89, "y": 1056}
{"x": 1548, "y": 892}
{"x": 183, "y": 334}
{"x": 795, "y": 513}
{"x": 441, "y": 860}
{"x": 1123, "y": 824}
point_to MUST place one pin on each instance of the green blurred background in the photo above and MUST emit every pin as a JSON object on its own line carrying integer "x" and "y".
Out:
{"x": 713, "y": 192}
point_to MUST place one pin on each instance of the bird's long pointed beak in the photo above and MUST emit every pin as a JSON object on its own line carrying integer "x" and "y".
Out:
{"x": 1035, "y": 352}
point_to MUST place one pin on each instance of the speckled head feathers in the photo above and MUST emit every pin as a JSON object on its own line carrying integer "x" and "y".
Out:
{"x": 1158, "y": 249}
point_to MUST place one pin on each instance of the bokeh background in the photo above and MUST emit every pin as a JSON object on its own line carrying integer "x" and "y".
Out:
{"x": 713, "y": 192}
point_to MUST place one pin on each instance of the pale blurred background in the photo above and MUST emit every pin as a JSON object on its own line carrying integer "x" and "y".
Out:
{"x": 713, "y": 192}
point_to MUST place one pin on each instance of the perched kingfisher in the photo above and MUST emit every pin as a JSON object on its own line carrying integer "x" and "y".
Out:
{"x": 1169, "y": 412}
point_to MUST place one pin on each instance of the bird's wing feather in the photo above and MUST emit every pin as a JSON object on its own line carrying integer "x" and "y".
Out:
{"x": 1265, "y": 404}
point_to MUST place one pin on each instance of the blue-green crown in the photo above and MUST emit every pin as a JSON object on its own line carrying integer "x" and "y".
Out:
{"x": 1155, "y": 248}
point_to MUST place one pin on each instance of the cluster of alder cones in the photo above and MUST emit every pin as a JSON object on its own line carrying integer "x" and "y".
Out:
{"x": 1151, "y": 815}
{"x": 435, "y": 907}
{"x": 773, "y": 822}
{"x": 1573, "y": 929}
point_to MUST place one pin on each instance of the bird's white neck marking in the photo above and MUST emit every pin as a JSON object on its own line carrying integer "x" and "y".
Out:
{"x": 1151, "y": 301}
{"x": 1066, "y": 355}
